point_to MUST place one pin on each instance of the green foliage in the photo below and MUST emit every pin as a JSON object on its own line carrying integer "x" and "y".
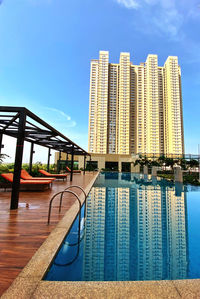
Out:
{"x": 9, "y": 167}
{"x": 155, "y": 163}
{"x": 192, "y": 178}
{"x": 167, "y": 176}
{"x": 183, "y": 163}
{"x": 169, "y": 162}
{"x": 105, "y": 169}
{"x": 192, "y": 163}
{"x": 145, "y": 161}
{"x": 5, "y": 168}
{"x": 142, "y": 161}
{"x": 2, "y": 156}
{"x": 90, "y": 167}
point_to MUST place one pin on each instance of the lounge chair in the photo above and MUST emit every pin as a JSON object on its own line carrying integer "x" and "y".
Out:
{"x": 26, "y": 176}
{"x": 74, "y": 171}
{"x": 29, "y": 185}
{"x": 53, "y": 175}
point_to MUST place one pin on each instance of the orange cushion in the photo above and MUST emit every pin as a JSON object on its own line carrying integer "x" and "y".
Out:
{"x": 26, "y": 176}
{"x": 34, "y": 182}
{"x": 9, "y": 177}
{"x": 51, "y": 174}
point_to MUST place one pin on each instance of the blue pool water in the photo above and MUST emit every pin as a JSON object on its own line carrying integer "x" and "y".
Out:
{"x": 133, "y": 227}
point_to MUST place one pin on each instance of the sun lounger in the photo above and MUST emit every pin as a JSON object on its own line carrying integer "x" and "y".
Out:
{"x": 29, "y": 185}
{"x": 26, "y": 176}
{"x": 53, "y": 175}
{"x": 74, "y": 171}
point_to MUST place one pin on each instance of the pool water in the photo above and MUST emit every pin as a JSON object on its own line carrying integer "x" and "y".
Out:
{"x": 133, "y": 227}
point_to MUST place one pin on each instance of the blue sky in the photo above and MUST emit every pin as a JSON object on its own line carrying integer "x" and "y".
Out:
{"x": 46, "y": 47}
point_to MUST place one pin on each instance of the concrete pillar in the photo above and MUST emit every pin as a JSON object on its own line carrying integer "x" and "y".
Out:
{"x": 119, "y": 166}
{"x": 178, "y": 174}
{"x": 136, "y": 168}
{"x": 81, "y": 161}
{"x": 154, "y": 171}
{"x": 132, "y": 167}
{"x": 145, "y": 169}
{"x": 178, "y": 188}
{"x": 101, "y": 162}
{"x": 154, "y": 180}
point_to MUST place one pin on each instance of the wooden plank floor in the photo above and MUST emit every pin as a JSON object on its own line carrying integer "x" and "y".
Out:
{"x": 23, "y": 231}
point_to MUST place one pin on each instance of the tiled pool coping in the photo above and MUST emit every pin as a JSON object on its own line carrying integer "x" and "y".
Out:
{"x": 29, "y": 283}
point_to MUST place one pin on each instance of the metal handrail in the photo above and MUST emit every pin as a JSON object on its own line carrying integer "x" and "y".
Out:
{"x": 74, "y": 244}
{"x": 76, "y": 256}
{"x": 72, "y": 186}
{"x": 61, "y": 192}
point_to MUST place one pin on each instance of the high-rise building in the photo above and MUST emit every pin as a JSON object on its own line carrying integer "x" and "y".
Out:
{"x": 135, "y": 108}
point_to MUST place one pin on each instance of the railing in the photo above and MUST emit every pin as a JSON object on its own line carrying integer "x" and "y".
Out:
{"x": 61, "y": 192}
{"x": 74, "y": 244}
{"x": 61, "y": 197}
{"x": 72, "y": 186}
{"x": 79, "y": 224}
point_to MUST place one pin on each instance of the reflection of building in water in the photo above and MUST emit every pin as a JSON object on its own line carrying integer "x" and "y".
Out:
{"x": 149, "y": 233}
{"x": 110, "y": 234}
{"x": 93, "y": 268}
{"x": 135, "y": 234}
{"x": 123, "y": 233}
{"x": 176, "y": 235}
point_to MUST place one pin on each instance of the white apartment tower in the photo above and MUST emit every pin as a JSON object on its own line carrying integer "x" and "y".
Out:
{"x": 135, "y": 108}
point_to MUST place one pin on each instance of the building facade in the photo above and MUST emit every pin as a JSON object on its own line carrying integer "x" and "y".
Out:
{"x": 135, "y": 108}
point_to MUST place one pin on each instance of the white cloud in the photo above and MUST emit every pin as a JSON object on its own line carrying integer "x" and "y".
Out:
{"x": 169, "y": 21}
{"x": 131, "y": 4}
{"x": 58, "y": 118}
{"x": 59, "y": 112}
{"x": 159, "y": 16}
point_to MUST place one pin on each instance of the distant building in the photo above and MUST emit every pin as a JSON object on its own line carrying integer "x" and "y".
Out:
{"x": 135, "y": 108}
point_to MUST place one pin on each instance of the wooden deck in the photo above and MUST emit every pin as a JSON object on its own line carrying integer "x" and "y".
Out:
{"x": 23, "y": 231}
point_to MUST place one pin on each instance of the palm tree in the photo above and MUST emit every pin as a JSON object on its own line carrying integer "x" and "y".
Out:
{"x": 183, "y": 163}
{"x": 2, "y": 156}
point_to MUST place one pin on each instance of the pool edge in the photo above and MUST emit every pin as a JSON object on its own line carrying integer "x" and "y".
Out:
{"x": 31, "y": 275}
{"x": 29, "y": 283}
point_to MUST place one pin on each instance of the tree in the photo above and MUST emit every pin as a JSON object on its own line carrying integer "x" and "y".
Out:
{"x": 161, "y": 160}
{"x": 183, "y": 163}
{"x": 141, "y": 161}
{"x": 2, "y": 156}
{"x": 155, "y": 163}
{"x": 169, "y": 162}
{"x": 193, "y": 163}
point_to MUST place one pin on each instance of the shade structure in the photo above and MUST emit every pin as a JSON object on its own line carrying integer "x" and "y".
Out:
{"x": 22, "y": 124}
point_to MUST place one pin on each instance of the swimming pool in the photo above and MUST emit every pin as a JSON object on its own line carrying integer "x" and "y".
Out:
{"x": 133, "y": 227}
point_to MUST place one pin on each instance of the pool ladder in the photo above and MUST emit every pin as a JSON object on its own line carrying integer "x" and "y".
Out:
{"x": 66, "y": 190}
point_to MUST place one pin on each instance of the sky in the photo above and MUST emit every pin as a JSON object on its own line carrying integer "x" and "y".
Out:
{"x": 46, "y": 47}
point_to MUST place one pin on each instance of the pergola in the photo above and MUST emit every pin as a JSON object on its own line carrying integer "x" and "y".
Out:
{"x": 22, "y": 124}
